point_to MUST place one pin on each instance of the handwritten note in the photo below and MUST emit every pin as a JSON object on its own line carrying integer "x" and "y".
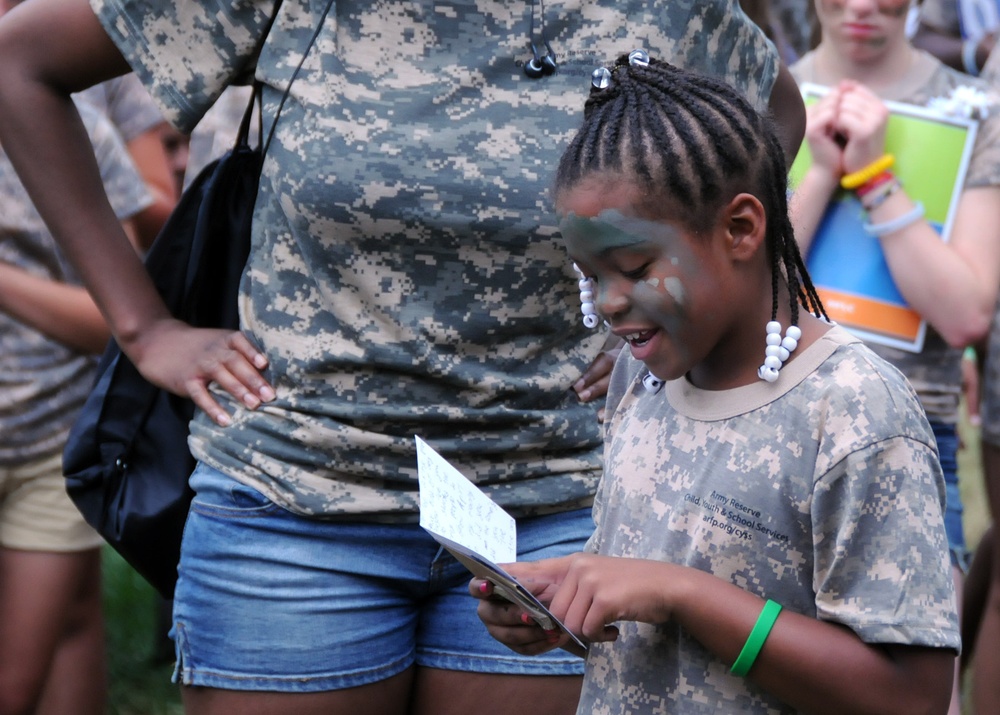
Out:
{"x": 454, "y": 508}
{"x": 475, "y": 530}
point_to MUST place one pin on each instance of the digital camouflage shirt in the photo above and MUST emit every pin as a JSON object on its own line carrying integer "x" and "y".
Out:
{"x": 821, "y": 491}
{"x": 406, "y": 276}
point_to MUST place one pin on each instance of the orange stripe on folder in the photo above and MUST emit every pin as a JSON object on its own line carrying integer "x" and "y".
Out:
{"x": 875, "y": 316}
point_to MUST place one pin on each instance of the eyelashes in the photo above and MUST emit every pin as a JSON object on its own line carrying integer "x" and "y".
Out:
{"x": 637, "y": 273}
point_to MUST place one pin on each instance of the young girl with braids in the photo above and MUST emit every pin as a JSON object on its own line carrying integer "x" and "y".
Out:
{"x": 769, "y": 532}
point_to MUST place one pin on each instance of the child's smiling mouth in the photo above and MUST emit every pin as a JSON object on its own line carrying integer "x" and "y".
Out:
{"x": 643, "y": 344}
{"x": 640, "y": 338}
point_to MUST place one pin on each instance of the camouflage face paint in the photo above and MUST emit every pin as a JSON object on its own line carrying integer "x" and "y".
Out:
{"x": 597, "y": 236}
{"x": 611, "y": 230}
{"x": 660, "y": 294}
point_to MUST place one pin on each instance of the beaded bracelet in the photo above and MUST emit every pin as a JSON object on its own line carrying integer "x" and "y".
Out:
{"x": 879, "y": 198}
{"x": 863, "y": 176}
{"x": 755, "y": 641}
{"x": 895, "y": 224}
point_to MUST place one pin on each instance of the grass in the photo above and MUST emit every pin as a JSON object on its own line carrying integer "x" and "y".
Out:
{"x": 139, "y": 680}
{"x": 140, "y": 684}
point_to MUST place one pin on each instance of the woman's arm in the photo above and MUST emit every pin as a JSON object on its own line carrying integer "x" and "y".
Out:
{"x": 952, "y": 285}
{"x": 41, "y": 130}
{"x": 49, "y": 49}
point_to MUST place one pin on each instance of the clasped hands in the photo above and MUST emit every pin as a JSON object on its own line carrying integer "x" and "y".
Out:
{"x": 845, "y": 129}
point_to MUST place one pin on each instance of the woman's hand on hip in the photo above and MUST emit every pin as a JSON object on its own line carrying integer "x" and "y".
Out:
{"x": 186, "y": 360}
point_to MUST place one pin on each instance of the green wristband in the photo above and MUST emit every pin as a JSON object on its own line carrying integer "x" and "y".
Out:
{"x": 755, "y": 641}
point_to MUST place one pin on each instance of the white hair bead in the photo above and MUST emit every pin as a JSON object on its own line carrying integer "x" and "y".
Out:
{"x": 767, "y": 374}
{"x": 778, "y": 349}
{"x": 587, "y": 306}
{"x": 651, "y": 382}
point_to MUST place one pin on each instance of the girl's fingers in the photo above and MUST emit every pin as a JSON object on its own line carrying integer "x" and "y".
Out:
{"x": 480, "y": 588}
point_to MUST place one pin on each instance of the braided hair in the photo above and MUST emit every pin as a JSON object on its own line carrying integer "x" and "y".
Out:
{"x": 694, "y": 141}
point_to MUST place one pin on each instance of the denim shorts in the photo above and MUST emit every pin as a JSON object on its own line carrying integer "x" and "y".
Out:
{"x": 946, "y": 436}
{"x": 269, "y": 600}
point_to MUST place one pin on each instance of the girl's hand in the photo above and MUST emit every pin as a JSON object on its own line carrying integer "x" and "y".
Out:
{"x": 508, "y": 622}
{"x": 185, "y": 360}
{"x": 596, "y": 591}
{"x": 862, "y": 120}
{"x": 825, "y": 143}
{"x": 587, "y": 593}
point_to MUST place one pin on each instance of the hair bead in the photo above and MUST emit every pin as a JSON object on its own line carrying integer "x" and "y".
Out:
{"x": 638, "y": 58}
{"x": 778, "y": 349}
{"x": 587, "y": 307}
{"x": 601, "y": 78}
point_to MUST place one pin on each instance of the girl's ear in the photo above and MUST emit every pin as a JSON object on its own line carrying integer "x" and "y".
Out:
{"x": 746, "y": 226}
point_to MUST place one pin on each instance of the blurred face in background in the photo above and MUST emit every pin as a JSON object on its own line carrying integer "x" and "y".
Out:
{"x": 863, "y": 30}
{"x": 176, "y": 146}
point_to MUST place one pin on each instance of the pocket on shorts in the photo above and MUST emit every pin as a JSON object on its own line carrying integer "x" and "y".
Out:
{"x": 221, "y": 495}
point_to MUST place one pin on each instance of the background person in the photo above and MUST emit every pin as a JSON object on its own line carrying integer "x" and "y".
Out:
{"x": 51, "y": 620}
{"x": 865, "y": 58}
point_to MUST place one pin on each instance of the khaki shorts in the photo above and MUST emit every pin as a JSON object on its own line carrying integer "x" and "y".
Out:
{"x": 36, "y": 514}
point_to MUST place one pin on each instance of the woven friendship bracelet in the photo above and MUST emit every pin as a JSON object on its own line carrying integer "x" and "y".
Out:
{"x": 863, "y": 176}
{"x": 873, "y": 200}
{"x": 755, "y": 641}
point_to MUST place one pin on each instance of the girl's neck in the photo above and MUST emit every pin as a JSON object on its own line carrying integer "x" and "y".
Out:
{"x": 832, "y": 66}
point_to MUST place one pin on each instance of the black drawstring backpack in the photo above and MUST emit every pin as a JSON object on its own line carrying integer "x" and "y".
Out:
{"x": 127, "y": 461}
